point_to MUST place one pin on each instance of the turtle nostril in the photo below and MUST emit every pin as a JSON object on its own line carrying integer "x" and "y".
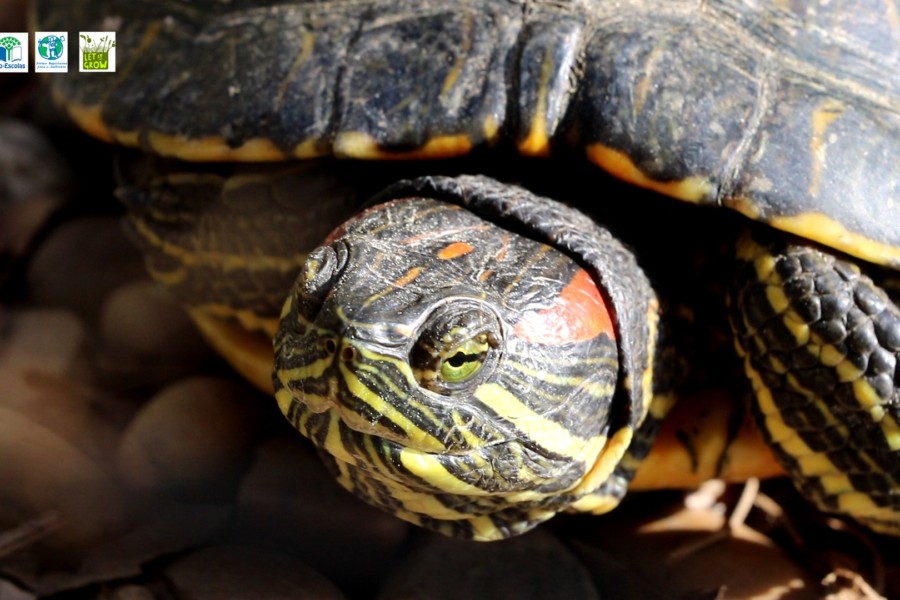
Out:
{"x": 330, "y": 346}
{"x": 348, "y": 353}
{"x": 323, "y": 267}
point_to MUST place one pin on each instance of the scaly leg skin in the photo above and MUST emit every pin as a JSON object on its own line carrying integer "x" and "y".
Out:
{"x": 820, "y": 343}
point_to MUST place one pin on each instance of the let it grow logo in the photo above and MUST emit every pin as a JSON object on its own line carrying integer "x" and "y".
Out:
{"x": 98, "y": 51}
{"x": 14, "y": 52}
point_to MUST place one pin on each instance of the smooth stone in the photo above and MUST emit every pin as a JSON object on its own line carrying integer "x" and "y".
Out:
{"x": 193, "y": 439}
{"x": 240, "y": 573}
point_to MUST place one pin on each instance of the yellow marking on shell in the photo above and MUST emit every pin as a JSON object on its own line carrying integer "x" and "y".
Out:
{"x": 459, "y": 64}
{"x": 311, "y": 148}
{"x": 308, "y": 43}
{"x": 537, "y": 143}
{"x": 546, "y": 433}
{"x": 692, "y": 189}
{"x": 745, "y": 206}
{"x": 893, "y": 17}
{"x": 354, "y": 144}
{"x": 126, "y": 138}
{"x": 88, "y": 118}
{"x": 491, "y": 129}
{"x": 213, "y": 148}
{"x": 823, "y": 116}
{"x": 822, "y": 228}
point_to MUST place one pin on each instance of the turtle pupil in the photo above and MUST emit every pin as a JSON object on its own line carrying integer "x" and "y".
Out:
{"x": 459, "y": 359}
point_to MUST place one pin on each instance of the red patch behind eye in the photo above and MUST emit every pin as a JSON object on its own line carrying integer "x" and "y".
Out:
{"x": 578, "y": 314}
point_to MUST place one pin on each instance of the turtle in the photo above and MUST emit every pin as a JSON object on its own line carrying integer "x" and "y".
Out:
{"x": 471, "y": 355}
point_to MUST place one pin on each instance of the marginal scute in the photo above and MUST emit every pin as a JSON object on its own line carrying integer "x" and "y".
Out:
{"x": 360, "y": 145}
{"x": 692, "y": 189}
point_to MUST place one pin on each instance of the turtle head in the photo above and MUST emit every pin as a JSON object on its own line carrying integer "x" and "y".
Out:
{"x": 452, "y": 372}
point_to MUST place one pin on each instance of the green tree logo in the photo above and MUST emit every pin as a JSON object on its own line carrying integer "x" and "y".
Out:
{"x": 10, "y": 49}
{"x": 95, "y": 54}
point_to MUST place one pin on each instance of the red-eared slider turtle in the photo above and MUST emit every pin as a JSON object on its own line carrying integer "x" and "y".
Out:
{"x": 468, "y": 355}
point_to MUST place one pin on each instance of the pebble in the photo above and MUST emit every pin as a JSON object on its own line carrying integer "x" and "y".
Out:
{"x": 533, "y": 566}
{"x": 9, "y": 591}
{"x": 147, "y": 338}
{"x": 30, "y": 167}
{"x": 45, "y": 377}
{"x": 192, "y": 440}
{"x": 80, "y": 263}
{"x": 240, "y": 573}
{"x": 41, "y": 471}
{"x": 289, "y": 502}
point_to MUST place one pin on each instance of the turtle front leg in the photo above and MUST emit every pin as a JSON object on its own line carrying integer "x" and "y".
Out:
{"x": 820, "y": 343}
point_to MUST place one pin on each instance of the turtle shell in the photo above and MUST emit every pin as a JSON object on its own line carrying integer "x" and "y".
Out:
{"x": 788, "y": 113}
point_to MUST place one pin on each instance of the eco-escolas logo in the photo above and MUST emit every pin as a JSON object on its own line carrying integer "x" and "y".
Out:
{"x": 98, "y": 51}
{"x": 14, "y": 52}
{"x": 51, "y": 52}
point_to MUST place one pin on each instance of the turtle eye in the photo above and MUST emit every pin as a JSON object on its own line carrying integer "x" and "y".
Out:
{"x": 465, "y": 360}
{"x": 457, "y": 347}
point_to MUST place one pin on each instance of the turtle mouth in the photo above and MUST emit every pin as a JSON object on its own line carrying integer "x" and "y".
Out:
{"x": 495, "y": 468}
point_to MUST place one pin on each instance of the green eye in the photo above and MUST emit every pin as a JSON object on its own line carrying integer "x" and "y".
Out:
{"x": 458, "y": 347}
{"x": 467, "y": 360}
